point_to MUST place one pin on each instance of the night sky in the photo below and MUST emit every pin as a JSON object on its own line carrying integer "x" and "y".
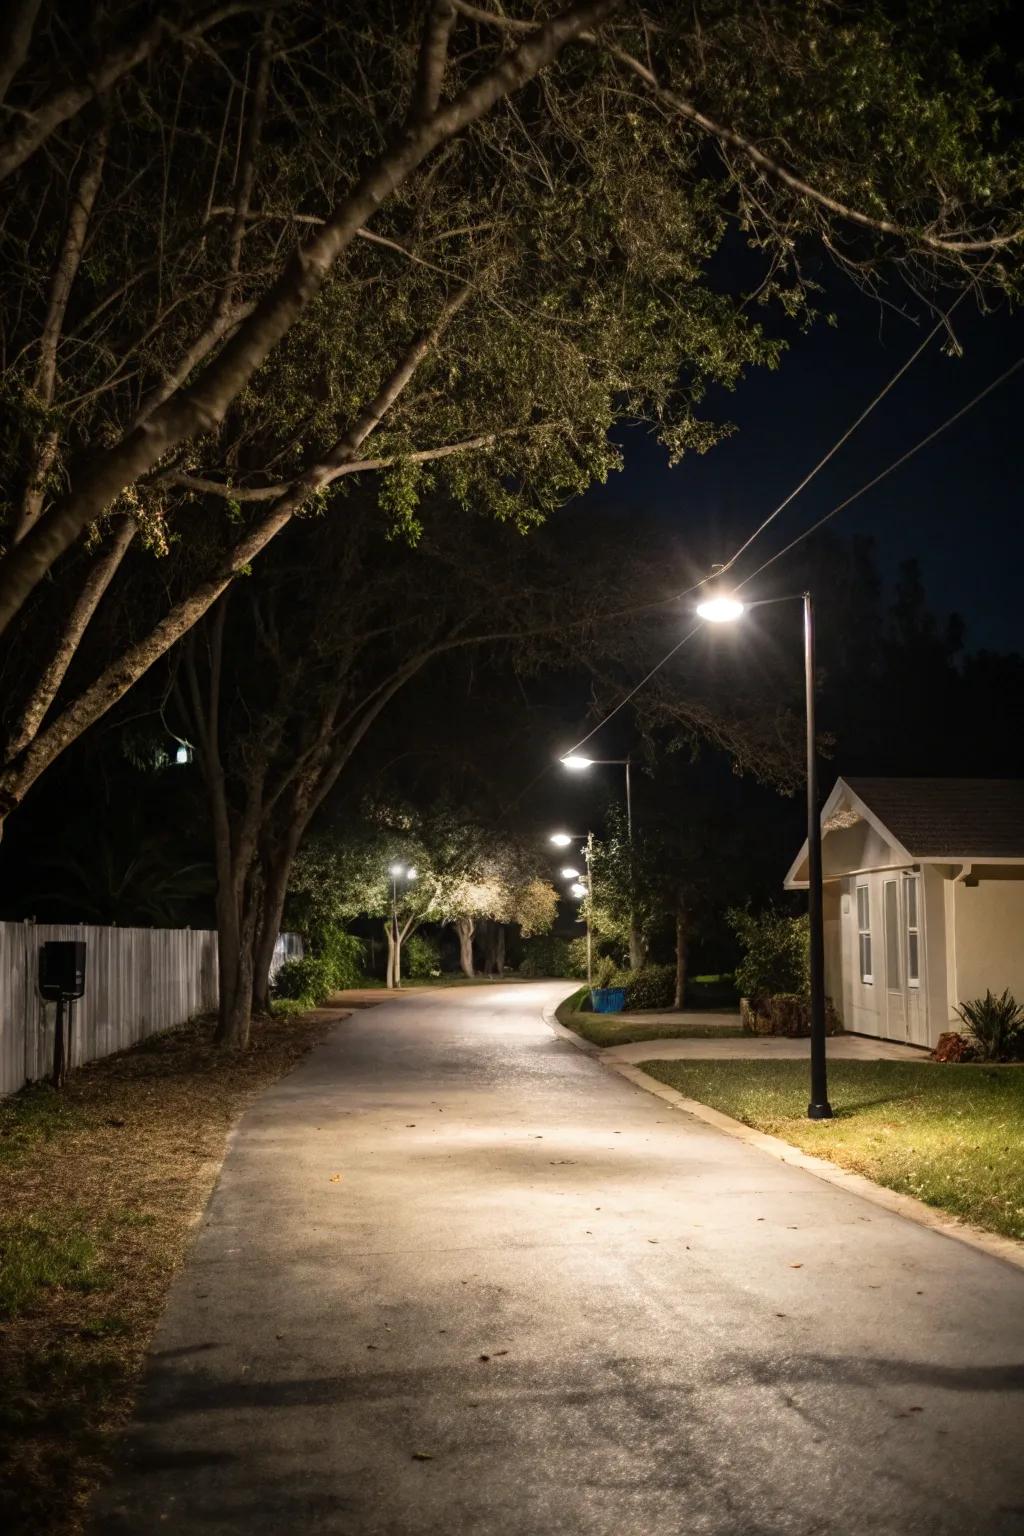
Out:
{"x": 955, "y": 507}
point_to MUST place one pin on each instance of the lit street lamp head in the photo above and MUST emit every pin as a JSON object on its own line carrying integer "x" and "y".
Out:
{"x": 395, "y": 870}
{"x": 576, "y": 762}
{"x": 721, "y": 609}
{"x": 561, "y": 839}
{"x": 578, "y": 888}
{"x": 570, "y": 874}
{"x": 410, "y": 874}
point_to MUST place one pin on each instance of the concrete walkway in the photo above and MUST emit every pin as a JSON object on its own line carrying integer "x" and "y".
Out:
{"x": 459, "y": 1278}
{"x": 762, "y": 1048}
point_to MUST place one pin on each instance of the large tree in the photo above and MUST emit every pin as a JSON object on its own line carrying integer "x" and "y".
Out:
{"x": 253, "y": 250}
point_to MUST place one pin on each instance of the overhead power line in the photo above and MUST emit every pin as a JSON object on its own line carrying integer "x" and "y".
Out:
{"x": 839, "y": 507}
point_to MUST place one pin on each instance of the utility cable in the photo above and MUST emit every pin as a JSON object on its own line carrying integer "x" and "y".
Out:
{"x": 867, "y": 486}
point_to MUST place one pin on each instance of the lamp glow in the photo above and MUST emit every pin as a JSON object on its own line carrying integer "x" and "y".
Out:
{"x": 570, "y": 873}
{"x": 576, "y": 762}
{"x": 578, "y": 888}
{"x": 721, "y": 610}
{"x": 410, "y": 874}
{"x": 560, "y": 839}
{"x": 395, "y": 870}
{"x": 183, "y": 754}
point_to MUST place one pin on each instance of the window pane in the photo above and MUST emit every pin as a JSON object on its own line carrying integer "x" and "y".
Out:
{"x": 911, "y": 890}
{"x": 865, "y": 957}
{"x": 863, "y": 916}
{"x": 892, "y": 936}
{"x": 913, "y": 973}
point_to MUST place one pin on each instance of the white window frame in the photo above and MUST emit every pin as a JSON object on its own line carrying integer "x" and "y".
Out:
{"x": 913, "y": 927}
{"x": 867, "y": 973}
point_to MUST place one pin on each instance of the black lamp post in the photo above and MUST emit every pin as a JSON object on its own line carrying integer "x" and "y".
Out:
{"x": 721, "y": 609}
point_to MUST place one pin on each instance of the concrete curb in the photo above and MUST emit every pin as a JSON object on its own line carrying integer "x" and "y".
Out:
{"x": 1008, "y": 1249}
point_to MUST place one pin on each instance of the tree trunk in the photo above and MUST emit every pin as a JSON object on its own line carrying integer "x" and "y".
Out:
{"x": 464, "y": 927}
{"x": 276, "y": 873}
{"x": 637, "y": 947}
{"x": 682, "y": 938}
{"x": 499, "y": 950}
{"x": 393, "y": 973}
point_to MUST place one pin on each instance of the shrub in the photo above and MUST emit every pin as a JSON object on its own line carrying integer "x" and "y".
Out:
{"x": 577, "y": 957}
{"x": 996, "y": 1025}
{"x": 421, "y": 957}
{"x": 652, "y": 986}
{"x": 308, "y": 980}
{"x": 545, "y": 955}
{"x": 336, "y": 963}
{"x": 775, "y": 953}
{"x": 346, "y": 956}
{"x": 604, "y": 972}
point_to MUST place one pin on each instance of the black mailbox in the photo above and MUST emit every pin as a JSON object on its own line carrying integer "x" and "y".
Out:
{"x": 62, "y": 969}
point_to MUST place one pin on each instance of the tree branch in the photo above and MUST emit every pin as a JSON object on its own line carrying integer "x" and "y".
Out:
{"x": 114, "y": 682}
{"x": 203, "y": 405}
{"x": 433, "y": 61}
{"x": 779, "y": 172}
{"x": 48, "y": 115}
{"x": 21, "y": 20}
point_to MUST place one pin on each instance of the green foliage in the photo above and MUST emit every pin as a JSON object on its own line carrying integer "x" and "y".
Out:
{"x": 996, "y": 1024}
{"x": 652, "y": 986}
{"x": 308, "y": 980}
{"x": 605, "y": 971}
{"x": 335, "y": 964}
{"x": 577, "y": 961}
{"x": 545, "y": 955}
{"x": 775, "y": 952}
{"x": 421, "y": 957}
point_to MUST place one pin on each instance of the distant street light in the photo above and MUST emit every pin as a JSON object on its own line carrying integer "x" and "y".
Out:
{"x": 580, "y": 887}
{"x": 577, "y": 763}
{"x": 722, "y": 608}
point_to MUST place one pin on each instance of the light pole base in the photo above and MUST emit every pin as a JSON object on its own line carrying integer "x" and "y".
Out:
{"x": 822, "y": 1111}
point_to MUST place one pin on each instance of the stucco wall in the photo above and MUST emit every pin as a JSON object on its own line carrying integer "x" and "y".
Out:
{"x": 989, "y": 944}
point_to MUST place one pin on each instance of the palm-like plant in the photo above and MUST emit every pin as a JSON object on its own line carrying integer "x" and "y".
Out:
{"x": 996, "y": 1024}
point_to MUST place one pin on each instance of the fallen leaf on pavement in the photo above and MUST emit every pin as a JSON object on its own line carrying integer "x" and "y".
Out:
{"x": 422, "y": 1456}
{"x": 485, "y": 1357}
{"x": 796, "y": 1266}
{"x": 335, "y": 1178}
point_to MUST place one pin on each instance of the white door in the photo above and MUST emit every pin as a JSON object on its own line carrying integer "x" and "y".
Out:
{"x": 895, "y": 992}
{"x": 913, "y": 959}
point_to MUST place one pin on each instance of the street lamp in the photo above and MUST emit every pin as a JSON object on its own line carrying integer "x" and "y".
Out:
{"x": 577, "y": 763}
{"x": 581, "y": 886}
{"x": 723, "y": 608}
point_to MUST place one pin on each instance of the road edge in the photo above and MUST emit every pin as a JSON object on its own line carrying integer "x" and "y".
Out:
{"x": 1007, "y": 1249}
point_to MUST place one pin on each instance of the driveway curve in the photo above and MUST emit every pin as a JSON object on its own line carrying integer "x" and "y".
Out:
{"x": 456, "y": 1277}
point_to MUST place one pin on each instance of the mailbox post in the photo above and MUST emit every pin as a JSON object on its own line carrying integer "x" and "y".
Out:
{"x": 62, "y": 981}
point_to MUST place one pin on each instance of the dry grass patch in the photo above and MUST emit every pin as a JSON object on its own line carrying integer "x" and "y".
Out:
{"x": 100, "y": 1187}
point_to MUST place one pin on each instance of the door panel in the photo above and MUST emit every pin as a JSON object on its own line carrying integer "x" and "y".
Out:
{"x": 895, "y": 995}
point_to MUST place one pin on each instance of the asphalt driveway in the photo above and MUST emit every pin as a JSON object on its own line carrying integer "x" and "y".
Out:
{"x": 457, "y": 1277}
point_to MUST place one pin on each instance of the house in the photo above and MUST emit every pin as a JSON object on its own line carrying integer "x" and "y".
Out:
{"x": 924, "y": 900}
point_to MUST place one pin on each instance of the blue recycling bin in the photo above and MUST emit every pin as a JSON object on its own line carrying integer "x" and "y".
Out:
{"x": 607, "y": 999}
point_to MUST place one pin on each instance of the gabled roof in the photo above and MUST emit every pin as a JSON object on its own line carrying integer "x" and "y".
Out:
{"x": 929, "y": 820}
{"x": 949, "y": 818}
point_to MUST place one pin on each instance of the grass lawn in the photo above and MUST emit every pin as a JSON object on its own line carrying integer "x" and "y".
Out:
{"x": 625, "y": 1028}
{"x": 953, "y": 1136}
{"x": 99, "y": 1189}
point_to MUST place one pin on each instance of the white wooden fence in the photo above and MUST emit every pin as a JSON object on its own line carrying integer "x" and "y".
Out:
{"x": 138, "y": 981}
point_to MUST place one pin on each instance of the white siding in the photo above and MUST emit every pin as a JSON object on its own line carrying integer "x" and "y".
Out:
{"x": 988, "y": 923}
